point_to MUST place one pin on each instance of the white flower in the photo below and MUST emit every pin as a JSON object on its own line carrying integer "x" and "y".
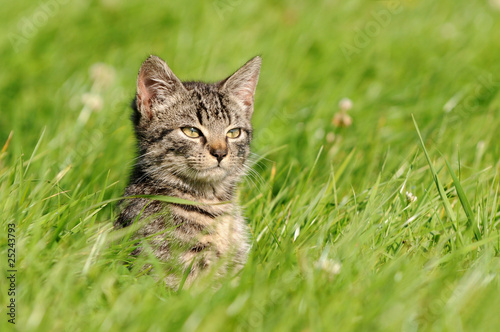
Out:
{"x": 410, "y": 197}
{"x": 345, "y": 104}
{"x": 92, "y": 101}
{"x": 331, "y": 267}
{"x": 102, "y": 74}
{"x": 341, "y": 119}
{"x": 330, "y": 137}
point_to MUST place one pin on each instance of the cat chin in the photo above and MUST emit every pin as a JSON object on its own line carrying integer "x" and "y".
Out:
{"x": 212, "y": 174}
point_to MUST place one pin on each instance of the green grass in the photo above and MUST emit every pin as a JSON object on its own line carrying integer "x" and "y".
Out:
{"x": 337, "y": 245}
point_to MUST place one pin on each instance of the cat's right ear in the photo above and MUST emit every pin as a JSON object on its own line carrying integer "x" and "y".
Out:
{"x": 242, "y": 84}
{"x": 156, "y": 83}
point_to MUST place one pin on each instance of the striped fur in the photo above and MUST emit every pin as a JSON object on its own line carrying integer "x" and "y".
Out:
{"x": 190, "y": 238}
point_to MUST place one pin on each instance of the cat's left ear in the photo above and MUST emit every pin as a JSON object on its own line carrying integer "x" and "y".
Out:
{"x": 242, "y": 84}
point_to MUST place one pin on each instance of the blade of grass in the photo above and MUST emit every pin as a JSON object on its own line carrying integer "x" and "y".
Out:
{"x": 343, "y": 166}
{"x": 464, "y": 201}
{"x": 34, "y": 151}
{"x": 442, "y": 193}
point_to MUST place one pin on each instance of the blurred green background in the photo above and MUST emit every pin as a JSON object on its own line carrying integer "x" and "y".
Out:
{"x": 391, "y": 58}
{"x": 335, "y": 238}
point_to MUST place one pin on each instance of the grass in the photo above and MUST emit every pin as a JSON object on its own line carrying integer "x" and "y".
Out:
{"x": 337, "y": 243}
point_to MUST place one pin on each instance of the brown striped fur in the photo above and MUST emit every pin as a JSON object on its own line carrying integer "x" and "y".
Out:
{"x": 207, "y": 169}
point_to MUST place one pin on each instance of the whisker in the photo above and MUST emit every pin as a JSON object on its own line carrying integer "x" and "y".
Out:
{"x": 143, "y": 155}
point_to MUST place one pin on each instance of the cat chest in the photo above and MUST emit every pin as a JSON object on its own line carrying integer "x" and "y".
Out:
{"x": 203, "y": 228}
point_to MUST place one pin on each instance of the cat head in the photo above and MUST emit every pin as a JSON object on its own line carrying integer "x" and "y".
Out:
{"x": 199, "y": 132}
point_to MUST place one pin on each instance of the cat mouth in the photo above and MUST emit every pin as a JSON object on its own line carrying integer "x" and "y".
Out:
{"x": 211, "y": 174}
{"x": 218, "y": 169}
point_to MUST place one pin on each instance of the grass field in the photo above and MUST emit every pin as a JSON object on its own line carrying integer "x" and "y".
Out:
{"x": 338, "y": 244}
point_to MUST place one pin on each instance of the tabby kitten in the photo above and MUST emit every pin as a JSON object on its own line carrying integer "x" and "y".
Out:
{"x": 193, "y": 141}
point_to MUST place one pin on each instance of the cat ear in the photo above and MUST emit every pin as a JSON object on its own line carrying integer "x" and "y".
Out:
{"x": 156, "y": 82}
{"x": 241, "y": 85}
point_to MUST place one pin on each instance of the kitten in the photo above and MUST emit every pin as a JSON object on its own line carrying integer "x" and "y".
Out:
{"x": 193, "y": 141}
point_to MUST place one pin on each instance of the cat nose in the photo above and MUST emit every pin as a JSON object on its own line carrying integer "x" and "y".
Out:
{"x": 218, "y": 153}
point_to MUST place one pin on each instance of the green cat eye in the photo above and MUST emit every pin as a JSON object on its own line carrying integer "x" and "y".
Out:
{"x": 233, "y": 133}
{"x": 191, "y": 132}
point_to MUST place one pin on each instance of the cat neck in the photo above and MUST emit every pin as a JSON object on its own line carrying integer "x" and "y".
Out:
{"x": 175, "y": 186}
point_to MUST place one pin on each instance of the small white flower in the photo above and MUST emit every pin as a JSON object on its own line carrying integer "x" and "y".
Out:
{"x": 341, "y": 119}
{"x": 410, "y": 197}
{"x": 92, "y": 101}
{"x": 102, "y": 74}
{"x": 345, "y": 104}
{"x": 331, "y": 267}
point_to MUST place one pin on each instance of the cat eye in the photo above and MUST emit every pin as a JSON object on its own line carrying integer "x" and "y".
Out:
{"x": 234, "y": 133}
{"x": 191, "y": 132}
